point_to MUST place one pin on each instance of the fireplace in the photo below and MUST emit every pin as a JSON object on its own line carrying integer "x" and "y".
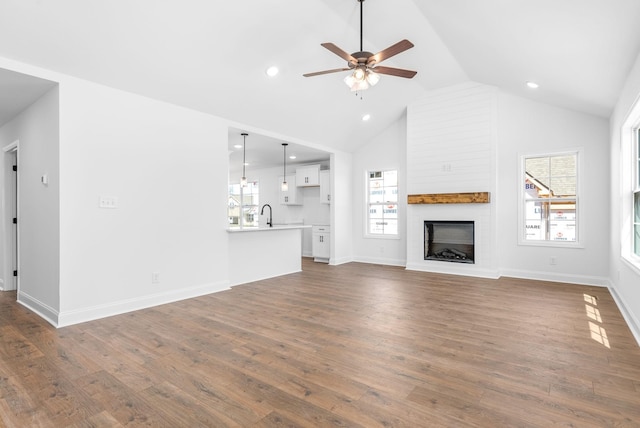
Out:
{"x": 449, "y": 241}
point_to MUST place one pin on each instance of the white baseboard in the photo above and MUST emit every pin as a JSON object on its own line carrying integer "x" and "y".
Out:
{"x": 380, "y": 261}
{"x": 340, "y": 261}
{"x": 556, "y": 277}
{"x": 263, "y": 277}
{"x": 631, "y": 320}
{"x": 454, "y": 269}
{"x": 45, "y": 311}
{"x": 116, "y": 308}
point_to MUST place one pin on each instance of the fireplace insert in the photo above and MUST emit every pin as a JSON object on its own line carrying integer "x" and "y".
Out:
{"x": 449, "y": 241}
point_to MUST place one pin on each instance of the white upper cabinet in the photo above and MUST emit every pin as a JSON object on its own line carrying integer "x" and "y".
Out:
{"x": 308, "y": 175}
{"x": 291, "y": 196}
{"x": 325, "y": 187}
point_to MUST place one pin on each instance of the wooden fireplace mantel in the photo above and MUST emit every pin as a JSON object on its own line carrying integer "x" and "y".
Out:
{"x": 450, "y": 198}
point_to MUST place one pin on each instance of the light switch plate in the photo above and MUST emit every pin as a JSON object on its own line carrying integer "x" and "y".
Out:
{"x": 108, "y": 202}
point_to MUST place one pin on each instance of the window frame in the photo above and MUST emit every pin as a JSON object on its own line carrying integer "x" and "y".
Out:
{"x": 522, "y": 200}
{"x": 242, "y": 205}
{"x": 368, "y": 204}
{"x": 630, "y": 181}
{"x": 635, "y": 193}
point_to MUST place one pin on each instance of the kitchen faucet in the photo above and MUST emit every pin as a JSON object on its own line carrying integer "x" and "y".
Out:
{"x": 269, "y": 222}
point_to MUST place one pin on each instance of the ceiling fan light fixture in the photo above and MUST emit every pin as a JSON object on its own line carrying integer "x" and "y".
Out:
{"x": 357, "y": 81}
{"x": 372, "y": 77}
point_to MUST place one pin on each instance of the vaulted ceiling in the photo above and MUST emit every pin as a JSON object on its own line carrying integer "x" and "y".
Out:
{"x": 212, "y": 56}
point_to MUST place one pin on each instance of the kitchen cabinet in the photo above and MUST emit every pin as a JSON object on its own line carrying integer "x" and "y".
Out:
{"x": 308, "y": 175}
{"x": 325, "y": 187}
{"x": 291, "y": 196}
{"x": 320, "y": 245}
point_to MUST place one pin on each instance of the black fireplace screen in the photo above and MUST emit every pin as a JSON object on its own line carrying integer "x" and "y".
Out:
{"x": 449, "y": 241}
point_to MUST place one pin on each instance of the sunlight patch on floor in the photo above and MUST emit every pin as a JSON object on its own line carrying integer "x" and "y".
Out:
{"x": 598, "y": 333}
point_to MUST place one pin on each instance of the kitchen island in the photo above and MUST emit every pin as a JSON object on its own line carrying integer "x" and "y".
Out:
{"x": 264, "y": 252}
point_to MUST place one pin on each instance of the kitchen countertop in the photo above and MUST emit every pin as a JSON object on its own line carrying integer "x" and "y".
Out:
{"x": 267, "y": 228}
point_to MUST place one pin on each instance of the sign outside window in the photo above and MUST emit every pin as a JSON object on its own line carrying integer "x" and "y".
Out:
{"x": 550, "y": 198}
{"x": 382, "y": 194}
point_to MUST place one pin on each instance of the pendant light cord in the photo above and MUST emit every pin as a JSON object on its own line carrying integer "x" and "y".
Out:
{"x": 284, "y": 156}
{"x": 244, "y": 154}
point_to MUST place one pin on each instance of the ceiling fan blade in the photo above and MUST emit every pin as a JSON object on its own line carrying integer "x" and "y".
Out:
{"x": 318, "y": 73}
{"x": 399, "y": 47}
{"x": 342, "y": 54}
{"x": 394, "y": 71}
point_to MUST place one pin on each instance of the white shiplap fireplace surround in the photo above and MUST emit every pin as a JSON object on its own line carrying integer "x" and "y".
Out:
{"x": 451, "y": 148}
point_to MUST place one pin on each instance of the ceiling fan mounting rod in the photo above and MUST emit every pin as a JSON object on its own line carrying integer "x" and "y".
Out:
{"x": 361, "y": 1}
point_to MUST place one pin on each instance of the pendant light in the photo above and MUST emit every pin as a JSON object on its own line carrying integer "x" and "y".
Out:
{"x": 243, "y": 180}
{"x": 285, "y": 185}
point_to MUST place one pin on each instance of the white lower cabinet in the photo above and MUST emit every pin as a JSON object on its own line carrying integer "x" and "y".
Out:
{"x": 320, "y": 246}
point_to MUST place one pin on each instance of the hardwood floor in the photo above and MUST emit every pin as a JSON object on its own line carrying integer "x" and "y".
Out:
{"x": 350, "y": 345}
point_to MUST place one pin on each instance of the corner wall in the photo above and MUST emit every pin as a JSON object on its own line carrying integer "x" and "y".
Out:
{"x": 625, "y": 278}
{"x": 37, "y": 131}
{"x": 529, "y": 127}
{"x": 166, "y": 167}
{"x": 387, "y": 151}
{"x": 468, "y": 138}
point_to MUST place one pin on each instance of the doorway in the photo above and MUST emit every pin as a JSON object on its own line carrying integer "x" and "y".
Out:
{"x": 10, "y": 239}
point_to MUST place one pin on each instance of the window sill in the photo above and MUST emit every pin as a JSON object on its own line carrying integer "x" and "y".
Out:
{"x": 551, "y": 244}
{"x": 370, "y": 236}
{"x": 632, "y": 262}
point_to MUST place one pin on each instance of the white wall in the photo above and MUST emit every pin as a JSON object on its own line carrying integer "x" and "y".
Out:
{"x": 453, "y": 127}
{"x": 528, "y": 127}
{"x": 451, "y": 143}
{"x": 386, "y": 151}
{"x": 342, "y": 213}
{"x": 36, "y": 128}
{"x": 625, "y": 277}
{"x": 167, "y": 167}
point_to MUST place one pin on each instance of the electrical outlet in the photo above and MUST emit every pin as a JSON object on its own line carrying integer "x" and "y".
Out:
{"x": 155, "y": 277}
{"x": 553, "y": 261}
{"x": 108, "y": 202}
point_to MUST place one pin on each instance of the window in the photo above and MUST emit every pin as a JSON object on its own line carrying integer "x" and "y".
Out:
{"x": 382, "y": 203}
{"x": 243, "y": 205}
{"x": 550, "y": 198}
{"x": 630, "y": 188}
{"x": 636, "y": 196}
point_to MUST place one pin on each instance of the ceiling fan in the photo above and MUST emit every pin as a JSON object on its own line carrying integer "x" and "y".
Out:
{"x": 364, "y": 65}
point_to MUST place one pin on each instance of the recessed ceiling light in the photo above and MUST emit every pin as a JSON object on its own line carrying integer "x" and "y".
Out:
{"x": 246, "y": 164}
{"x": 292, "y": 157}
{"x": 533, "y": 85}
{"x": 366, "y": 117}
{"x": 272, "y": 71}
{"x": 238, "y": 146}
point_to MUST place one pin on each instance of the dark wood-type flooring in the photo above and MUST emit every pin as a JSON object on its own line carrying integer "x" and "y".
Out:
{"x": 350, "y": 345}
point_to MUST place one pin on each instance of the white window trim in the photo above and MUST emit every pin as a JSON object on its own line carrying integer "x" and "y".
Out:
{"x": 580, "y": 213}
{"x": 628, "y": 171}
{"x": 368, "y": 235}
{"x": 241, "y": 225}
